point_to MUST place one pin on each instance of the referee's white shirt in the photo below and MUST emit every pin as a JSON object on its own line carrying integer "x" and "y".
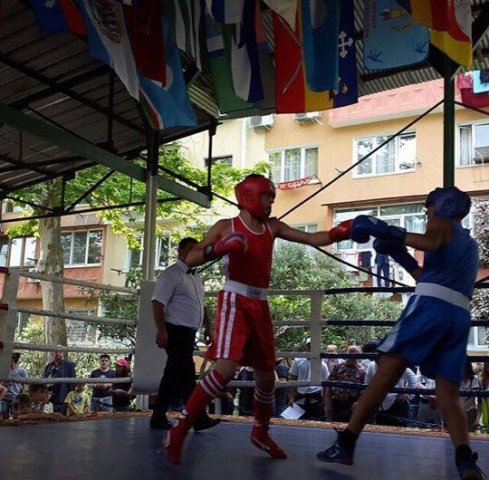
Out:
{"x": 301, "y": 368}
{"x": 182, "y": 294}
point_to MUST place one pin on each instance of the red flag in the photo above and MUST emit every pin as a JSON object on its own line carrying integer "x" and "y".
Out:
{"x": 469, "y": 98}
{"x": 291, "y": 91}
{"x": 143, "y": 24}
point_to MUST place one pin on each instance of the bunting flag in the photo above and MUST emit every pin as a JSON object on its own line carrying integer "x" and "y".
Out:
{"x": 245, "y": 64}
{"x": 291, "y": 91}
{"x": 481, "y": 81}
{"x": 347, "y": 59}
{"x": 450, "y": 22}
{"x": 320, "y": 43}
{"x": 224, "y": 11}
{"x": 287, "y": 9}
{"x": 58, "y": 16}
{"x": 391, "y": 38}
{"x": 108, "y": 40}
{"x": 187, "y": 19}
{"x": 465, "y": 83}
{"x": 266, "y": 59}
{"x": 144, "y": 28}
{"x": 169, "y": 106}
{"x": 220, "y": 66}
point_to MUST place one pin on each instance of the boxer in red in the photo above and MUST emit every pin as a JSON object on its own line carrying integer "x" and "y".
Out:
{"x": 244, "y": 332}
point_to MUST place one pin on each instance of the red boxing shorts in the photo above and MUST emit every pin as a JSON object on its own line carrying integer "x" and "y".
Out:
{"x": 244, "y": 332}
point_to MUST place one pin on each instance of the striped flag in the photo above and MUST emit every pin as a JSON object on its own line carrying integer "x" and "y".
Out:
{"x": 108, "y": 40}
{"x": 320, "y": 43}
{"x": 169, "y": 106}
{"x": 291, "y": 91}
{"x": 391, "y": 38}
{"x": 144, "y": 28}
{"x": 347, "y": 93}
{"x": 450, "y": 23}
{"x": 58, "y": 16}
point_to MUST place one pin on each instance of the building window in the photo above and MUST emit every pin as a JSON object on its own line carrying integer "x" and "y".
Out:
{"x": 227, "y": 159}
{"x": 162, "y": 257}
{"x": 9, "y": 207}
{"x": 82, "y": 247}
{"x": 473, "y": 144}
{"x": 397, "y": 156}
{"x": 293, "y": 163}
{"x": 17, "y": 252}
{"x": 478, "y": 338}
{"x": 409, "y": 216}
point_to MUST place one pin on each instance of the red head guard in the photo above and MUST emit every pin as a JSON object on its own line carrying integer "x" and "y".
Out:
{"x": 249, "y": 191}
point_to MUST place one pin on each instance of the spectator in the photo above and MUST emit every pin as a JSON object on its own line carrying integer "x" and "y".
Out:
{"x": 40, "y": 395}
{"x": 102, "y": 393}
{"x": 282, "y": 374}
{"x": 339, "y": 401}
{"x": 310, "y": 398}
{"x": 78, "y": 401}
{"x": 469, "y": 405}
{"x": 121, "y": 398}
{"x": 368, "y": 347}
{"x": 13, "y": 388}
{"x": 429, "y": 415}
{"x": 245, "y": 399}
{"x": 22, "y": 405}
{"x": 226, "y": 398}
{"x": 332, "y": 362}
{"x": 60, "y": 368}
{"x": 394, "y": 409}
{"x": 484, "y": 402}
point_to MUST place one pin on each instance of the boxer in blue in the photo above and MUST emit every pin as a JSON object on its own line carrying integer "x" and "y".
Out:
{"x": 434, "y": 326}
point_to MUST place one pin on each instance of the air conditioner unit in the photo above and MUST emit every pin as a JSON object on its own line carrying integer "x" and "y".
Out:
{"x": 265, "y": 121}
{"x": 33, "y": 280}
{"x": 307, "y": 117}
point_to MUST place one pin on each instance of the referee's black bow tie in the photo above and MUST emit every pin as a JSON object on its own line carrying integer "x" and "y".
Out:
{"x": 191, "y": 271}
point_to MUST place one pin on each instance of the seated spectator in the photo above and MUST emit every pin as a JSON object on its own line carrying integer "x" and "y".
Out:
{"x": 13, "y": 388}
{"x": 280, "y": 397}
{"x": 368, "y": 347}
{"x": 429, "y": 416}
{"x": 226, "y": 398}
{"x": 394, "y": 409}
{"x": 484, "y": 402}
{"x": 245, "y": 399}
{"x": 332, "y": 362}
{"x": 40, "y": 395}
{"x": 22, "y": 405}
{"x": 77, "y": 401}
{"x": 311, "y": 398}
{"x": 469, "y": 405}
{"x": 339, "y": 401}
{"x": 102, "y": 392}
{"x": 121, "y": 398}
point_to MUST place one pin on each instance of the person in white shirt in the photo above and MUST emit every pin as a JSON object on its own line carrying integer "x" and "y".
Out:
{"x": 310, "y": 398}
{"x": 178, "y": 312}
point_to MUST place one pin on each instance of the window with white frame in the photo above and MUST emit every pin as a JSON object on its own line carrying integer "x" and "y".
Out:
{"x": 397, "y": 156}
{"x": 478, "y": 338}
{"x": 17, "y": 252}
{"x": 293, "y": 163}
{"x": 162, "y": 257}
{"x": 227, "y": 159}
{"x": 473, "y": 142}
{"x": 82, "y": 247}
{"x": 409, "y": 216}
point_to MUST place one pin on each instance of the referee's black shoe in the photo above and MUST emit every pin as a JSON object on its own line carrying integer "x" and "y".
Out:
{"x": 160, "y": 422}
{"x": 204, "y": 422}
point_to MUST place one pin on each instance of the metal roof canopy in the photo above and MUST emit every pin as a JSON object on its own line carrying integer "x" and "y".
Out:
{"x": 63, "y": 111}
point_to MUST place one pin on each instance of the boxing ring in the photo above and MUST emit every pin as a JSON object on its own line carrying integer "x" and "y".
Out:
{"x": 125, "y": 446}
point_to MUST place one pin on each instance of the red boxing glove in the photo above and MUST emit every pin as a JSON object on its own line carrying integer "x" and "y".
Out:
{"x": 341, "y": 231}
{"x": 232, "y": 243}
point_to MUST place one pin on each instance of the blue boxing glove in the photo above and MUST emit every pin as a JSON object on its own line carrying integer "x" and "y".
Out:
{"x": 365, "y": 225}
{"x": 397, "y": 252}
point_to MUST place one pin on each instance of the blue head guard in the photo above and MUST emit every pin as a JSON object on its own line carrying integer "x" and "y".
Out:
{"x": 449, "y": 202}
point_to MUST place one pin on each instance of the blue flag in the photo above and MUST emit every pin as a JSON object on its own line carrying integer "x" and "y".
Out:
{"x": 58, "y": 16}
{"x": 320, "y": 43}
{"x": 391, "y": 37}
{"x": 169, "y": 106}
{"x": 347, "y": 68}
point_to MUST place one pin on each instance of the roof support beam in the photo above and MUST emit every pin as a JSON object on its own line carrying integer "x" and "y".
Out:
{"x": 79, "y": 146}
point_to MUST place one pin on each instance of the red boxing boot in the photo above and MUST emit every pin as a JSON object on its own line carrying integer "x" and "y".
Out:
{"x": 261, "y": 440}
{"x": 174, "y": 445}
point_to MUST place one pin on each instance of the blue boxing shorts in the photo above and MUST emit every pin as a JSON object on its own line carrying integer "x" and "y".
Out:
{"x": 433, "y": 334}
